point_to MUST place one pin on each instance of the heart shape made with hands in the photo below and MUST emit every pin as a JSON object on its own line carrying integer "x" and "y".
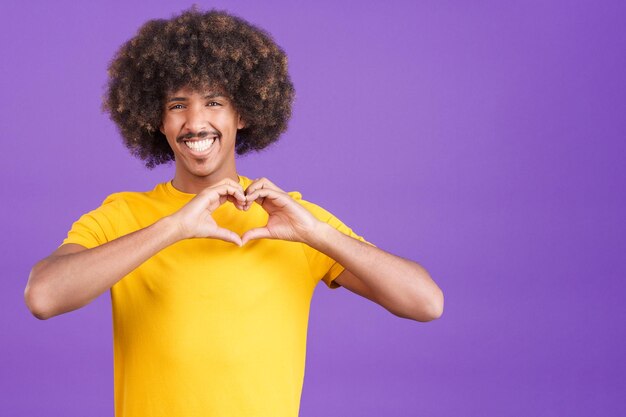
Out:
{"x": 288, "y": 220}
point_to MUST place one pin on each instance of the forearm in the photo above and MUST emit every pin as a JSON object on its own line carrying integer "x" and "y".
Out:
{"x": 400, "y": 285}
{"x": 63, "y": 283}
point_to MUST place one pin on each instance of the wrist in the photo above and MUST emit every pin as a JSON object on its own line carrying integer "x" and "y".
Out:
{"x": 319, "y": 236}
{"x": 171, "y": 229}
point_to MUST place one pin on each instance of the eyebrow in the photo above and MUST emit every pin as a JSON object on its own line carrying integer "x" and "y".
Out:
{"x": 208, "y": 96}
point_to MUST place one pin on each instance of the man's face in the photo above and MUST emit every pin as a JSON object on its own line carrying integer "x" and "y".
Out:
{"x": 200, "y": 127}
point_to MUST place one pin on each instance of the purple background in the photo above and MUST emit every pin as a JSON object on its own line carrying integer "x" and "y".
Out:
{"x": 483, "y": 139}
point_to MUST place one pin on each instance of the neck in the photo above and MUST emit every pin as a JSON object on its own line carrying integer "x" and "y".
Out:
{"x": 193, "y": 184}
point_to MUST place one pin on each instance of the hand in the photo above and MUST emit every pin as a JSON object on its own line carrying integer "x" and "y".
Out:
{"x": 287, "y": 220}
{"x": 195, "y": 218}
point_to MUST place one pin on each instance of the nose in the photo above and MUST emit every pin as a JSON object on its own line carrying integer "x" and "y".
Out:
{"x": 197, "y": 119}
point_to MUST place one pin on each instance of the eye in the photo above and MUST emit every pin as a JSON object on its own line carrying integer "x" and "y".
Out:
{"x": 176, "y": 107}
{"x": 213, "y": 104}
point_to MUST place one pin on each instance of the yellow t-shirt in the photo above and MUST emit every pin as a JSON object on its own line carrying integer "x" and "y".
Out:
{"x": 206, "y": 328}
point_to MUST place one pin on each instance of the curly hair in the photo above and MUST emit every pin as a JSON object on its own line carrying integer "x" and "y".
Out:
{"x": 198, "y": 49}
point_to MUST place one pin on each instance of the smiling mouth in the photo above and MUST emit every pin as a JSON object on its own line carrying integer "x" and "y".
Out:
{"x": 200, "y": 145}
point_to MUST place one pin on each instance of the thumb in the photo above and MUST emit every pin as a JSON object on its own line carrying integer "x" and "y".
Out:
{"x": 257, "y": 233}
{"x": 227, "y": 235}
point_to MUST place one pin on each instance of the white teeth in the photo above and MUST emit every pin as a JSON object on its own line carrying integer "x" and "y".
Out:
{"x": 200, "y": 145}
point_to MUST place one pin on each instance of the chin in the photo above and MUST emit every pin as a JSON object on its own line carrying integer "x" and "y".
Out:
{"x": 201, "y": 172}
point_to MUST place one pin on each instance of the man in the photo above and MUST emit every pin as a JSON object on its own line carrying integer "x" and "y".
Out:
{"x": 211, "y": 274}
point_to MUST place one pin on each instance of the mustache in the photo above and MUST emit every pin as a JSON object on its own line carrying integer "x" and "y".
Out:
{"x": 200, "y": 135}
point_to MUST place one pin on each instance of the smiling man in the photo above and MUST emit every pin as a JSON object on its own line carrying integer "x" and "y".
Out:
{"x": 211, "y": 274}
{"x": 201, "y": 128}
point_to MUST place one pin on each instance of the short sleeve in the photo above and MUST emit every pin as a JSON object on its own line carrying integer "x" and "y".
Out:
{"x": 98, "y": 226}
{"x": 322, "y": 266}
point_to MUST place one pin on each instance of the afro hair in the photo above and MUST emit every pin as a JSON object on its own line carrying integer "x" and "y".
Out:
{"x": 198, "y": 49}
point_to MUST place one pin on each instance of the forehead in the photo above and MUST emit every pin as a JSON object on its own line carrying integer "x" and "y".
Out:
{"x": 188, "y": 94}
{"x": 196, "y": 93}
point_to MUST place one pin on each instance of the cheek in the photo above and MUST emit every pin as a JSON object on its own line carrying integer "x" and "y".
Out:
{"x": 169, "y": 127}
{"x": 169, "y": 134}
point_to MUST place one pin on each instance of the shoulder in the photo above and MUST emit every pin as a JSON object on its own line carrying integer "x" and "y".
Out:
{"x": 313, "y": 208}
{"x": 121, "y": 197}
{"x": 326, "y": 216}
{"x": 125, "y": 203}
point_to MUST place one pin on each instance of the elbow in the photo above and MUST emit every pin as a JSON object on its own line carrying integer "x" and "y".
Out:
{"x": 429, "y": 310}
{"x": 35, "y": 297}
{"x": 427, "y": 299}
{"x": 35, "y": 304}
{"x": 437, "y": 305}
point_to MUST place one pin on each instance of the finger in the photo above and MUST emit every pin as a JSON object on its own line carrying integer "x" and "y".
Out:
{"x": 223, "y": 189}
{"x": 229, "y": 189}
{"x": 216, "y": 196}
{"x": 226, "y": 182}
{"x": 227, "y": 235}
{"x": 278, "y": 198}
{"x": 229, "y": 181}
{"x": 241, "y": 205}
{"x": 257, "y": 233}
{"x": 222, "y": 200}
{"x": 261, "y": 183}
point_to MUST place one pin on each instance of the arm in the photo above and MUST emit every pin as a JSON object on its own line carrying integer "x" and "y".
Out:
{"x": 73, "y": 276}
{"x": 401, "y": 286}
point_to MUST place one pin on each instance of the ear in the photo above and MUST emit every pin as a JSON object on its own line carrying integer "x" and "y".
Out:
{"x": 161, "y": 129}
{"x": 240, "y": 123}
